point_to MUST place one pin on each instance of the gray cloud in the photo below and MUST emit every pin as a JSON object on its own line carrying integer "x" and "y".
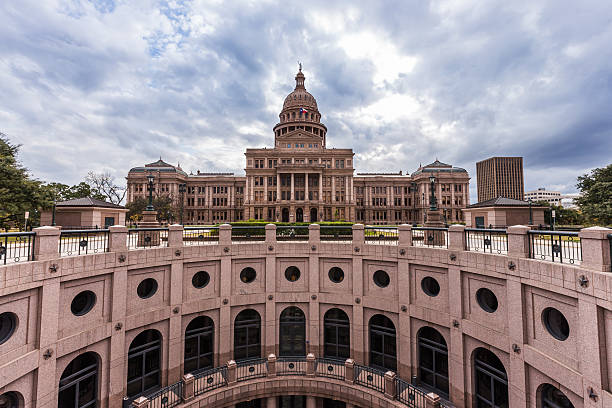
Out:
{"x": 108, "y": 85}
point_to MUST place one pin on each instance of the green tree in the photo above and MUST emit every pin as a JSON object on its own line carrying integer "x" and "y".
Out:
{"x": 563, "y": 216}
{"x": 166, "y": 209}
{"x": 19, "y": 192}
{"x": 63, "y": 192}
{"x": 596, "y": 200}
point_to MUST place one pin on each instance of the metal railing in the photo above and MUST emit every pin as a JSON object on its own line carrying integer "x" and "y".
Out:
{"x": 336, "y": 233}
{"x": 147, "y": 237}
{"x": 370, "y": 377}
{"x": 81, "y": 242}
{"x": 331, "y": 368}
{"x": 291, "y": 366}
{"x": 200, "y": 235}
{"x": 430, "y": 237}
{"x": 409, "y": 394}
{"x": 381, "y": 235}
{"x": 555, "y": 246}
{"x": 16, "y": 247}
{"x": 167, "y": 397}
{"x": 494, "y": 241}
{"x": 288, "y": 233}
{"x": 210, "y": 379}
{"x": 256, "y": 368}
{"x": 255, "y": 233}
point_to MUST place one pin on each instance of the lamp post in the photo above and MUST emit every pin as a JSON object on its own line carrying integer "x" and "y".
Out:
{"x": 150, "y": 179}
{"x": 182, "y": 190}
{"x": 53, "y": 213}
{"x": 433, "y": 205}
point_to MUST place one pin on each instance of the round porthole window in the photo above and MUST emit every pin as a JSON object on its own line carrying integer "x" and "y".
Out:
{"x": 247, "y": 275}
{"x": 555, "y": 323}
{"x": 381, "y": 278}
{"x": 8, "y": 325}
{"x": 336, "y": 274}
{"x": 83, "y": 303}
{"x": 147, "y": 288}
{"x": 200, "y": 279}
{"x": 9, "y": 400}
{"x": 487, "y": 300}
{"x": 292, "y": 273}
{"x": 430, "y": 286}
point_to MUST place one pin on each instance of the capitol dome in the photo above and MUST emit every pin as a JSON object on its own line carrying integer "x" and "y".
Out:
{"x": 300, "y": 98}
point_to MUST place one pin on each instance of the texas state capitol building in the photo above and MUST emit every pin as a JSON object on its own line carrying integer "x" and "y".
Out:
{"x": 300, "y": 179}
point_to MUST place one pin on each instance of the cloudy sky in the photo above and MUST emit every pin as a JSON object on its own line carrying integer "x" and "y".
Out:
{"x": 106, "y": 85}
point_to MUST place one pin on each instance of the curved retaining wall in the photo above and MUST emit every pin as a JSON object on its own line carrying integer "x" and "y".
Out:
{"x": 48, "y": 336}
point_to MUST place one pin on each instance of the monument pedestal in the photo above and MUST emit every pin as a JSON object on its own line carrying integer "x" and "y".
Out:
{"x": 148, "y": 238}
{"x": 433, "y": 237}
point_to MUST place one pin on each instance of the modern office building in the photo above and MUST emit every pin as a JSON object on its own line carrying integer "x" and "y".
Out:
{"x": 541, "y": 194}
{"x": 301, "y": 179}
{"x": 500, "y": 177}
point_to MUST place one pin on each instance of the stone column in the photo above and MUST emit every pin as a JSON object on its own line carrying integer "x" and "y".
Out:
{"x": 292, "y": 190}
{"x": 225, "y": 234}
{"x": 333, "y": 192}
{"x": 311, "y": 402}
{"x": 272, "y": 365}
{"x": 231, "y": 372}
{"x": 46, "y": 243}
{"x": 314, "y": 234}
{"x": 432, "y": 400}
{"x": 320, "y": 188}
{"x": 271, "y": 402}
{"x": 349, "y": 371}
{"x": 405, "y": 235}
{"x": 265, "y": 190}
{"x": 246, "y": 191}
{"x": 175, "y": 236}
{"x": 46, "y": 389}
{"x": 278, "y": 188}
{"x": 358, "y": 235}
{"x": 310, "y": 365}
{"x": 518, "y": 241}
{"x": 390, "y": 384}
{"x": 270, "y": 234}
{"x": 117, "y": 238}
{"x": 306, "y": 193}
{"x": 188, "y": 387}
{"x": 346, "y": 192}
{"x": 456, "y": 237}
{"x": 596, "y": 248}
{"x": 140, "y": 402}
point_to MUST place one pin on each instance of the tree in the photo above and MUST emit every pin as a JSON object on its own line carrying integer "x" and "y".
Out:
{"x": 104, "y": 184}
{"x": 163, "y": 204}
{"x": 596, "y": 199}
{"x": 563, "y": 216}
{"x": 19, "y": 192}
{"x": 63, "y": 192}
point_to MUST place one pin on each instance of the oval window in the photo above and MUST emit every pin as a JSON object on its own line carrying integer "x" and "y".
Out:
{"x": 200, "y": 279}
{"x": 292, "y": 273}
{"x": 336, "y": 274}
{"x": 430, "y": 286}
{"x": 247, "y": 275}
{"x": 381, "y": 278}
{"x": 147, "y": 288}
{"x": 487, "y": 300}
{"x": 555, "y": 323}
{"x": 8, "y": 324}
{"x": 83, "y": 303}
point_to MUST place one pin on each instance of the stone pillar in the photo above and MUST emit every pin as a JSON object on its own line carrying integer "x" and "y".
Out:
{"x": 349, "y": 371}
{"x": 46, "y": 243}
{"x": 432, "y": 400}
{"x": 358, "y": 234}
{"x": 46, "y": 389}
{"x": 140, "y": 402}
{"x": 272, "y": 365}
{"x": 188, "y": 387}
{"x": 346, "y": 192}
{"x": 390, "y": 385}
{"x": 596, "y": 249}
{"x": 271, "y": 402}
{"x": 292, "y": 190}
{"x": 225, "y": 234}
{"x": 306, "y": 192}
{"x": 278, "y": 186}
{"x": 265, "y": 190}
{"x": 333, "y": 191}
{"x": 311, "y": 402}
{"x": 231, "y": 372}
{"x": 321, "y": 187}
{"x": 456, "y": 237}
{"x": 270, "y": 234}
{"x": 314, "y": 234}
{"x": 405, "y": 235}
{"x": 117, "y": 238}
{"x": 175, "y": 236}
{"x": 310, "y": 365}
{"x": 518, "y": 241}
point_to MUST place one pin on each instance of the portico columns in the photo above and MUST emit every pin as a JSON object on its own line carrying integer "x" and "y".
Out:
{"x": 292, "y": 187}
{"x": 278, "y": 185}
{"x": 306, "y": 186}
{"x": 320, "y": 187}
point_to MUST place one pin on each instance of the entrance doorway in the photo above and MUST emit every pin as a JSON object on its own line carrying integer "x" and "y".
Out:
{"x": 285, "y": 215}
{"x": 299, "y": 215}
{"x": 313, "y": 215}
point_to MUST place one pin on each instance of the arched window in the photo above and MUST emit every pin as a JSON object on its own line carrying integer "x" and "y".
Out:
{"x": 78, "y": 386}
{"x": 552, "y": 397}
{"x": 247, "y": 335}
{"x": 199, "y": 344}
{"x": 292, "y": 338}
{"x": 491, "y": 381}
{"x": 11, "y": 399}
{"x": 144, "y": 363}
{"x": 433, "y": 359}
{"x": 383, "y": 352}
{"x": 336, "y": 334}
